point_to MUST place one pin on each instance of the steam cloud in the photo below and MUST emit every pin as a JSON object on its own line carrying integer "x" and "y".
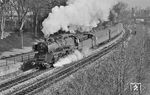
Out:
{"x": 70, "y": 58}
{"x": 79, "y": 13}
{"x": 77, "y": 55}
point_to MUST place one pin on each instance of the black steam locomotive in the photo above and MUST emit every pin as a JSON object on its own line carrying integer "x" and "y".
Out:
{"x": 55, "y": 47}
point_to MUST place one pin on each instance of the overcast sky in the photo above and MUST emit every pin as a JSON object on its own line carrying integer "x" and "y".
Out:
{"x": 139, "y": 3}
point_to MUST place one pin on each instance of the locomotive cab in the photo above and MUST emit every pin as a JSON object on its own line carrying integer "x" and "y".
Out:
{"x": 41, "y": 48}
{"x": 43, "y": 58}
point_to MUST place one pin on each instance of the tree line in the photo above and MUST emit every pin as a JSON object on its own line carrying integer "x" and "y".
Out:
{"x": 16, "y": 14}
{"x": 28, "y": 15}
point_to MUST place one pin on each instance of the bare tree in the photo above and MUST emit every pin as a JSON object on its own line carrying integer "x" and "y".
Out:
{"x": 4, "y": 8}
{"x": 41, "y": 9}
{"x": 38, "y": 8}
{"x": 21, "y": 7}
{"x": 119, "y": 7}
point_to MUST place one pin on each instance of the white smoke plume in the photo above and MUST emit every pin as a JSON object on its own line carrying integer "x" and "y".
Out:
{"x": 80, "y": 13}
{"x": 77, "y": 55}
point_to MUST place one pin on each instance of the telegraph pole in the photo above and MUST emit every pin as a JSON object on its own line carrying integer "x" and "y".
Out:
{"x": 133, "y": 15}
{"x": 21, "y": 32}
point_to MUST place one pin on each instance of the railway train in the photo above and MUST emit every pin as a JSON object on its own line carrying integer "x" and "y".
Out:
{"x": 57, "y": 46}
{"x": 54, "y": 47}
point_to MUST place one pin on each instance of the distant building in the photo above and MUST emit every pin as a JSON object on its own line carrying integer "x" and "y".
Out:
{"x": 139, "y": 20}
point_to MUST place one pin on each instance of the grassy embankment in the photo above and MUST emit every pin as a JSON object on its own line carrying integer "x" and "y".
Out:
{"x": 14, "y": 41}
{"x": 112, "y": 74}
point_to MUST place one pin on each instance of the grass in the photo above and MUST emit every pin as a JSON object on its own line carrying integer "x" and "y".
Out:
{"x": 14, "y": 41}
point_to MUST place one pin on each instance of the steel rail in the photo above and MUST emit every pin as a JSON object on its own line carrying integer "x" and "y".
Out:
{"x": 19, "y": 79}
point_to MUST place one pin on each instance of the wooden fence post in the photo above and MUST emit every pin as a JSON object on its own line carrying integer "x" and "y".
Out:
{"x": 28, "y": 56}
{"x": 109, "y": 33}
{"x": 22, "y": 58}
{"x": 6, "y": 62}
{"x": 14, "y": 60}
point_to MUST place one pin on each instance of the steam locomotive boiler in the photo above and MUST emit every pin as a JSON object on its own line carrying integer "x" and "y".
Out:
{"x": 53, "y": 48}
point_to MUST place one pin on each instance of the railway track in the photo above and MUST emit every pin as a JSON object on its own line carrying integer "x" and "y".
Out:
{"x": 14, "y": 81}
{"x": 45, "y": 82}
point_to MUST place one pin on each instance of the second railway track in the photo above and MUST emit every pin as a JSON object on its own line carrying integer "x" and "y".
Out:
{"x": 14, "y": 81}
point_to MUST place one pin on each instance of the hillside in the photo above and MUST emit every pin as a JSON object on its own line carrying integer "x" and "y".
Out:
{"x": 112, "y": 74}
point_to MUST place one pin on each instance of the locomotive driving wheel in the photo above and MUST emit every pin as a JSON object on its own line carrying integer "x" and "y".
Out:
{"x": 46, "y": 65}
